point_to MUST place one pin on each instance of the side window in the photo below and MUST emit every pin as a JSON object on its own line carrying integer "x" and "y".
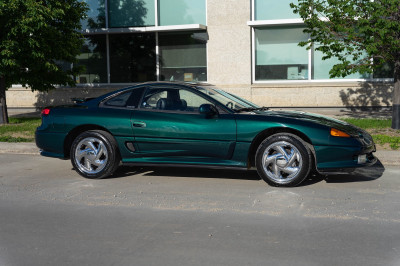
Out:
{"x": 192, "y": 100}
{"x": 152, "y": 97}
{"x": 172, "y": 99}
{"x": 120, "y": 100}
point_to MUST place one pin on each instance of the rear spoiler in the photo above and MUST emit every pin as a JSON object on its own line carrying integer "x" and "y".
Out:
{"x": 81, "y": 100}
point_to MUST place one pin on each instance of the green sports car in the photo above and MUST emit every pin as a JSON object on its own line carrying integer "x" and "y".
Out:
{"x": 193, "y": 125}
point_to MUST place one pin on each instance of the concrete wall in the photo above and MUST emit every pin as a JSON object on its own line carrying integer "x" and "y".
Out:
{"x": 19, "y": 97}
{"x": 323, "y": 94}
{"x": 276, "y": 95}
{"x": 229, "y": 45}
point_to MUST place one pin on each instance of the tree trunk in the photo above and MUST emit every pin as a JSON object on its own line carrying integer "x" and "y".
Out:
{"x": 396, "y": 97}
{"x": 3, "y": 104}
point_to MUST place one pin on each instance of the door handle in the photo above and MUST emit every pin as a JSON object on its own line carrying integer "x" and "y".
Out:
{"x": 138, "y": 124}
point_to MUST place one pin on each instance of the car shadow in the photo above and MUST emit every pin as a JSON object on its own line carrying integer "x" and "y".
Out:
{"x": 194, "y": 172}
{"x": 368, "y": 173}
{"x": 364, "y": 174}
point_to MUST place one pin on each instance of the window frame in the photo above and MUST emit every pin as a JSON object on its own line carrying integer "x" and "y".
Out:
{"x": 309, "y": 57}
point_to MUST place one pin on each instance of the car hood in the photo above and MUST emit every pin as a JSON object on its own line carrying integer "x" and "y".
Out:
{"x": 314, "y": 118}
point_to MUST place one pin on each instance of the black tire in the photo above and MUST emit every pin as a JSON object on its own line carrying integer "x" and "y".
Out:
{"x": 283, "y": 160}
{"x": 94, "y": 154}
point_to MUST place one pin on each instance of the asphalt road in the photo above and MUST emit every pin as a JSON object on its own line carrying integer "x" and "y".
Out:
{"x": 49, "y": 215}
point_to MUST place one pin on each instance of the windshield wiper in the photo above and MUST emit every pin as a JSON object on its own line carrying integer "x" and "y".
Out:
{"x": 249, "y": 109}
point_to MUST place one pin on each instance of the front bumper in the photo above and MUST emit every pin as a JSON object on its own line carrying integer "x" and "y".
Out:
{"x": 370, "y": 160}
{"x": 343, "y": 158}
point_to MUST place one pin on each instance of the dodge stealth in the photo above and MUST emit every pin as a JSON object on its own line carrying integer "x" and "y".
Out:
{"x": 171, "y": 124}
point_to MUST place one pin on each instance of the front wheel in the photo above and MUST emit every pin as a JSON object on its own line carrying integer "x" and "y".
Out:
{"x": 94, "y": 154}
{"x": 283, "y": 160}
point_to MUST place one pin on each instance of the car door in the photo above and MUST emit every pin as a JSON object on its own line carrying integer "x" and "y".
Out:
{"x": 168, "y": 123}
{"x": 114, "y": 114}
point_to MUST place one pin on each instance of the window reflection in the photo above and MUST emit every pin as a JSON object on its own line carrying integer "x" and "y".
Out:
{"x": 278, "y": 55}
{"x": 179, "y": 12}
{"x": 96, "y": 15}
{"x": 183, "y": 56}
{"x": 132, "y": 57}
{"x": 272, "y": 9}
{"x": 321, "y": 68}
{"x": 94, "y": 58}
{"x": 131, "y": 13}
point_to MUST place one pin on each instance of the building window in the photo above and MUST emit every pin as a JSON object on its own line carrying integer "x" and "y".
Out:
{"x": 278, "y": 56}
{"x": 118, "y": 51}
{"x": 131, "y": 13}
{"x": 321, "y": 68}
{"x": 94, "y": 58}
{"x": 132, "y": 57}
{"x": 96, "y": 15}
{"x": 183, "y": 56}
{"x": 179, "y": 12}
{"x": 272, "y": 9}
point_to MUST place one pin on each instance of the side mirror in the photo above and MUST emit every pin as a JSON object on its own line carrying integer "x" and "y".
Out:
{"x": 208, "y": 109}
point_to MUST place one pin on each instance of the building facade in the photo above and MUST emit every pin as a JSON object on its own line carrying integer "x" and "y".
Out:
{"x": 247, "y": 47}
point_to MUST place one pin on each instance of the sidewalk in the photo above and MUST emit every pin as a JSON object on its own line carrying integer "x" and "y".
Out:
{"x": 386, "y": 157}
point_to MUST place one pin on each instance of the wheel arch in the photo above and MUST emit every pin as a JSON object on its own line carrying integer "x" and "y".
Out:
{"x": 272, "y": 131}
{"x": 78, "y": 130}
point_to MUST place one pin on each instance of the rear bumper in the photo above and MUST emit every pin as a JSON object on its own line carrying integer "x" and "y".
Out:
{"x": 50, "y": 144}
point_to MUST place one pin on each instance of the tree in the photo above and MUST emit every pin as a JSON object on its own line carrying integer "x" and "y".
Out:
{"x": 363, "y": 35}
{"x": 36, "y": 37}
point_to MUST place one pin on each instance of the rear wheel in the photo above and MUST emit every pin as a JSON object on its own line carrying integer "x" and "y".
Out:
{"x": 94, "y": 154}
{"x": 283, "y": 160}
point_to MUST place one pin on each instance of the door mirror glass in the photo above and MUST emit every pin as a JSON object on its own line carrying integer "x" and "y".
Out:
{"x": 208, "y": 109}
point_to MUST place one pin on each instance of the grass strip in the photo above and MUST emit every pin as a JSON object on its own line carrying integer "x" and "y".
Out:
{"x": 14, "y": 139}
{"x": 367, "y": 123}
{"x": 19, "y": 129}
{"x": 394, "y": 142}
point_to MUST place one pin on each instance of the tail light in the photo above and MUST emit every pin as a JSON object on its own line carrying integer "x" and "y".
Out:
{"x": 46, "y": 112}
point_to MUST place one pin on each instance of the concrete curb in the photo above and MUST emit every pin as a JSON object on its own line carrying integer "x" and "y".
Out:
{"x": 386, "y": 157}
{"x": 19, "y": 148}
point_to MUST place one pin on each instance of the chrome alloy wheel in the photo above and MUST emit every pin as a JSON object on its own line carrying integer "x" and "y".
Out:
{"x": 282, "y": 162}
{"x": 91, "y": 155}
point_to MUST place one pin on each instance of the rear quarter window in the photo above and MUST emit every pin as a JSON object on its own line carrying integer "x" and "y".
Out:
{"x": 129, "y": 99}
{"x": 120, "y": 100}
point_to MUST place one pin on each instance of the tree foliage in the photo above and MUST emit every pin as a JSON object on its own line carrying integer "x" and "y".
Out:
{"x": 364, "y": 35}
{"x": 36, "y": 36}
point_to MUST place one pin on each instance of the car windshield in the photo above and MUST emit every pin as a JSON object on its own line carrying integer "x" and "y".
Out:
{"x": 233, "y": 102}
